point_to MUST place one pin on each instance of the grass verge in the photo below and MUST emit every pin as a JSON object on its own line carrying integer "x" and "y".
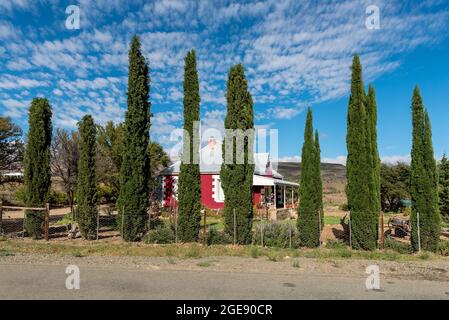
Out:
{"x": 197, "y": 251}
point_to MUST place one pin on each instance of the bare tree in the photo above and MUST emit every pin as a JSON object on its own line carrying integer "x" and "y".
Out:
{"x": 11, "y": 145}
{"x": 64, "y": 160}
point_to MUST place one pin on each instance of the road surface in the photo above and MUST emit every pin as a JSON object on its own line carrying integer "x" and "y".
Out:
{"x": 49, "y": 282}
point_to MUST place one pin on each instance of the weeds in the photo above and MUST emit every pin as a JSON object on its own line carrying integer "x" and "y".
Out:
{"x": 255, "y": 252}
{"x": 203, "y": 264}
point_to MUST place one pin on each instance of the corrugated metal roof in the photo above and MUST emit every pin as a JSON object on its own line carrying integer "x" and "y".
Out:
{"x": 211, "y": 160}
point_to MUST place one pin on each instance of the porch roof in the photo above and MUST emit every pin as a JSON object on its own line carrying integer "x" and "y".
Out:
{"x": 268, "y": 181}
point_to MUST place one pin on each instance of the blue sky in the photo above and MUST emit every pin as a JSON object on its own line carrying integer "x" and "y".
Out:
{"x": 296, "y": 54}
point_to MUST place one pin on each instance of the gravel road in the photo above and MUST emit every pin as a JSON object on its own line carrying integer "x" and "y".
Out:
{"x": 43, "y": 277}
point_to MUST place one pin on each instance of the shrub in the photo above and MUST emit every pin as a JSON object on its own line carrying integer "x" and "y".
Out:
{"x": 162, "y": 235}
{"x": 214, "y": 237}
{"x": 20, "y": 195}
{"x": 193, "y": 252}
{"x": 275, "y": 234}
{"x": 57, "y": 198}
{"x": 336, "y": 244}
{"x": 400, "y": 247}
{"x": 106, "y": 193}
{"x": 443, "y": 248}
{"x": 255, "y": 252}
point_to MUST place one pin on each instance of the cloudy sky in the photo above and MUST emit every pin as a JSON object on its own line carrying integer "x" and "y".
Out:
{"x": 296, "y": 54}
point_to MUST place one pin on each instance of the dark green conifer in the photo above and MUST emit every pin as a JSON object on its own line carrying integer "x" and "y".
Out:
{"x": 236, "y": 177}
{"x": 37, "y": 174}
{"x": 86, "y": 193}
{"x": 135, "y": 167}
{"x": 189, "y": 184}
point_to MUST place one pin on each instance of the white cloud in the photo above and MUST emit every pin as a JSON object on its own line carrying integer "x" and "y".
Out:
{"x": 10, "y": 82}
{"x": 395, "y": 159}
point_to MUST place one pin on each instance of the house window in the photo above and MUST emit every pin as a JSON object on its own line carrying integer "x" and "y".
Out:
{"x": 218, "y": 193}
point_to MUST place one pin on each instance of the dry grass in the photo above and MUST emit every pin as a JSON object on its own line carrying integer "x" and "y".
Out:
{"x": 197, "y": 251}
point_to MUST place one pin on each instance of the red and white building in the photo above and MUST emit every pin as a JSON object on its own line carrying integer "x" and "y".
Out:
{"x": 267, "y": 182}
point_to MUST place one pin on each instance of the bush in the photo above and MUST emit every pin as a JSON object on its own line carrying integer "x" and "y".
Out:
{"x": 276, "y": 234}
{"x": 336, "y": 244}
{"x": 214, "y": 237}
{"x": 400, "y": 247}
{"x": 162, "y": 235}
{"x": 443, "y": 248}
{"x": 106, "y": 194}
{"x": 56, "y": 198}
{"x": 20, "y": 195}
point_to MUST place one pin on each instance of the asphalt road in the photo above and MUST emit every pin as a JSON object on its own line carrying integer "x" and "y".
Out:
{"x": 49, "y": 282}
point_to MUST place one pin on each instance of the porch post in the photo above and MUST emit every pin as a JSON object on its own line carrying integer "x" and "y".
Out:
{"x": 275, "y": 196}
{"x": 285, "y": 197}
{"x": 293, "y": 200}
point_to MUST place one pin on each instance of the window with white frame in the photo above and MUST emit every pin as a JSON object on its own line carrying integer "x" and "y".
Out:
{"x": 218, "y": 193}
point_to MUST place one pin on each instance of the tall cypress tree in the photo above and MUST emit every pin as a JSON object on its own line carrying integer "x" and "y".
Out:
{"x": 359, "y": 165}
{"x": 444, "y": 188}
{"x": 37, "y": 174}
{"x": 424, "y": 182}
{"x": 134, "y": 174}
{"x": 309, "y": 209}
{"x": 237, "y": 178}
{"x": 86, "y": 196}
{"x": 371, "y": 110}
{"x": 189, "y": 184}
{"x": 319, "y": 181}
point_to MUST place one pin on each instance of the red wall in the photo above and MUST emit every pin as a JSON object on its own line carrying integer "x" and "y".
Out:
{"x": 207, "y": 198}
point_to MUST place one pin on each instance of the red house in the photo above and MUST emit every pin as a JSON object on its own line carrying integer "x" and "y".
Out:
{"x": 267, "y": 182}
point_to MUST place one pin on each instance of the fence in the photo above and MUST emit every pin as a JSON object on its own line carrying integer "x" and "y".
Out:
{"x": 61, "y": 225}
{"x": 15, "y": 223}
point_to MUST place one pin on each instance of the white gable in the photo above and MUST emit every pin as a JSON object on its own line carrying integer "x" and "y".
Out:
{"x": 211, "y": 160}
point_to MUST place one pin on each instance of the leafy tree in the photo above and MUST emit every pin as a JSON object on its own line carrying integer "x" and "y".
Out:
{"x": 109, "y": 155}
{"x": 444, "y": 188}
{"x": 395, "y": 182}
{"x": 64, "y": 161}
{"x": 310, "y": 206}
{"x": 237, "y": 176}
{"x": 135, "y": 166}
{"x": 37, "y": 174}
{"x": 11, "y": 145}
{"x": 86, "y": 212}
{"x": 360, "y": 165}
{"x": 189, "y": 185}
{"x": 159, "y": 159}
{"x": 424, "y": 183}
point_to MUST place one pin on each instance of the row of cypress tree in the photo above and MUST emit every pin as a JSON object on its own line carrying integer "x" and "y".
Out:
{"x": 133, "y": 199}
{"x": 37, "y": 176}
{"x": 363, "y": 174}
{"x": 363, "y": 163}
{"x": 363, "y": 170}
{"x": 236, "y": 178}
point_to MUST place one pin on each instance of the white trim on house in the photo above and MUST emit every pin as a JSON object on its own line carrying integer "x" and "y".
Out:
{"x": 217, "y": 191}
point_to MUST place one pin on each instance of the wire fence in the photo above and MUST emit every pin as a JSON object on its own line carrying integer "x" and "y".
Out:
{"x": 291, "y": 232}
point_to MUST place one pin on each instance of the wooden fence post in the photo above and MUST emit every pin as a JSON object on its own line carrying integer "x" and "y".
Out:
{"x": 204, "y": 229}
{"x": 1, "y": 216}
{"x": 382, "y": 235}
{"x": 47, "y": 220}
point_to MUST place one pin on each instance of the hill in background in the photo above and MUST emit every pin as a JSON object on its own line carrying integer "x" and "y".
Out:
{"x": 334, "y": 180}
